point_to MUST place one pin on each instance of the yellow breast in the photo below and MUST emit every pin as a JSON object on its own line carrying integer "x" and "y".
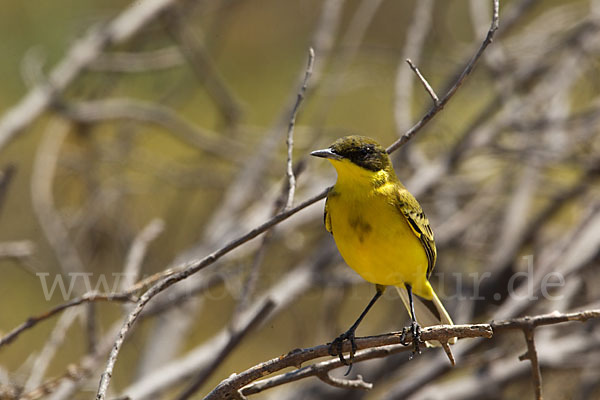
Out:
{"x": 374, "y": 237}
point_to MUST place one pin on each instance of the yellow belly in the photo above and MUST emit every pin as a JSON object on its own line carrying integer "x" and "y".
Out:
{"x": 375, "y": 239}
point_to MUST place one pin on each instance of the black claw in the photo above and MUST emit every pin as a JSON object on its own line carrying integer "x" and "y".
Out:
{"x": 403, "y": 337}
{"x": 415, "y": 331}
{"x": 335, "y": 348}
{"x": 416, "y": 337}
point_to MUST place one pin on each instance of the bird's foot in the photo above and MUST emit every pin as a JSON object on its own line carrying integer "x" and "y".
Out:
{"x": 415, "y": 331}
{"x": 335, "y": 348}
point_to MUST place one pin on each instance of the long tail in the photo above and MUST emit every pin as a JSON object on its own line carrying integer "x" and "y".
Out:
{"x": 428, "y": 312}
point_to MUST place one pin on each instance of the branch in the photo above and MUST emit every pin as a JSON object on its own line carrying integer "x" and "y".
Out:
{"x": 236, "y": 337}
{"x": 16, "y": 249}
{"x": 86, "y": 298}
{"x": 79, "y": 56}
{"x": 357, "y": 383}
{"x": 174, "y": 372}
{"x": 413, "y": 47}
{"x": 466, "y": 72}
{"x": 204, "y": 67}
{"x": 426, "y": 85}
{"x": 373, "y": 347}
{"x": 528, "y": 325}
{"x": 532, "y": 356}
{"x": 544, "y": 319}
{"x": 144, "y": 61}
{"x": 184, "y": 271}
{"x": 290, "y": 133}
{"x": 115, "y": 109}
{"x": 296, "y": 358}
{"x": 137, "y": 251}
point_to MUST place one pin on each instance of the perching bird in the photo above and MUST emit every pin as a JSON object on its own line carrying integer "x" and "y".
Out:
{"x": 381, "y": 232}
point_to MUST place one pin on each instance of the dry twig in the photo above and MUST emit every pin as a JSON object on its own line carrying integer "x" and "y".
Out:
{"x": 290, "y": 133}
{"x": 465, "y": 73}
{"x": 81, "y": 54}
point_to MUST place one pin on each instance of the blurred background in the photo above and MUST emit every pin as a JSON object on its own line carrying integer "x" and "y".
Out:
{"x": 132, "y": 141}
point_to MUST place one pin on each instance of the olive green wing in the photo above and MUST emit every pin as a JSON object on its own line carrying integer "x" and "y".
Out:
{"x": 418, "y": 222}
{"x": 327, "y": 218}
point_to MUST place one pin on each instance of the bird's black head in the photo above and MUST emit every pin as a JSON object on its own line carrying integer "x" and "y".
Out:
{"x": 360, "y": 150}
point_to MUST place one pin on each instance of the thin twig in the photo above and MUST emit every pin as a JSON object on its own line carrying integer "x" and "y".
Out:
{"x": 241, "y": 188}
{"x": 465, "y": 73}
{"x": 545, "y": 319}
{"x": 322, "y": 367}
{"x": 95, "y": 111}
{"x": 143, "y": 61}
{"x": 413, "y": 47}
{"x": 357, "y": 383}
{"x": 532, "y": 356}
{"x": 350, "y": 44}
{"x": 289, "y": 288}
{"x": 42, "y": 197}
{"x": 86, "y": 298}
{"x": 16, "y": 249}
{"x": 426, "y": 85}
{"x": 236, "y": 337}
{"x": 193, "y": 48}
{"x": 188, "y": 269}
{"x": 55, "y": 340}
{"x": 80, "y": 55}
{"x": 91, "y": 327}
{"x": 290, "y": 132}
{"x": 63, "y": 387}
{"x": 137, "y": 251}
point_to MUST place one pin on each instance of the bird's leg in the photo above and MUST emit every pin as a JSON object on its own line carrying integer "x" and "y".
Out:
{"x": 415, "y": 329}
{"x": 335, "y": 347}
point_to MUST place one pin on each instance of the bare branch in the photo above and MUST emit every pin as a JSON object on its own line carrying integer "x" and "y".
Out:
{"x": 16, "y": 249}
{"x": 57, "y": 337}
{"x": 81, "y": 54}
{"x": 466, "y": 72}
{"x": 86, "y": 298}
{"x": 42, "y": 197}
{"x": 183, "y": 272}
{"x": 153, "y": 60}
{"x": 235, "y": 338}
{"x": 300, "y": 356}
{"x": 142, "y": 111}
{"x": 290, "y": 133}
{"x": 545, "y": 319}
{"x": 532, "y": 356}
{"x": 426, "y": 85}
{"x": 413, "y": 47}
{"x": 376, "y": 347}
{"x": 283, "y": 293}
{"x": 357, "y": 383}
{"x": 192, "y": 47}
{"x": 137, "y": 251}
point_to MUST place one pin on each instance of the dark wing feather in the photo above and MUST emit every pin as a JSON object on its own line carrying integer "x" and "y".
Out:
{"x": 412, "y": 211}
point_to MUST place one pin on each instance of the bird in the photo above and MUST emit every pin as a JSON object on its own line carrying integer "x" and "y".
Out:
{"x": 382, "y": 233}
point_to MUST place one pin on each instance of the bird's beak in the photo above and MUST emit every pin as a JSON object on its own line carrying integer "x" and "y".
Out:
{"x": 326, "y": 153}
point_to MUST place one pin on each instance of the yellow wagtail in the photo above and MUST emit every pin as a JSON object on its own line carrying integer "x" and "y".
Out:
{"x": 381, "y": 232}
